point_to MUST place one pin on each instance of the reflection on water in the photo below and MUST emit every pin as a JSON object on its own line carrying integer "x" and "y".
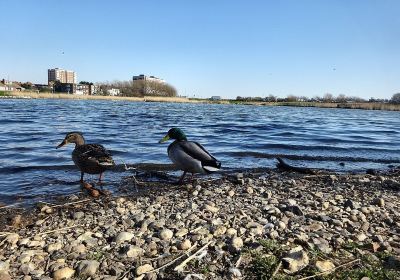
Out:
{"x": 241, "y": 137}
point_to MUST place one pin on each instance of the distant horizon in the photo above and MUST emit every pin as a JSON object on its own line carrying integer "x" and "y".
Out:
{"x": 227, "y": 49}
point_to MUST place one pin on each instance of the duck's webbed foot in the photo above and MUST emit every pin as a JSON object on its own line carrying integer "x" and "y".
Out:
{"x": 191, "y": 178}
{"x": 180, "y": 182}
{"x": 100, "y": 177}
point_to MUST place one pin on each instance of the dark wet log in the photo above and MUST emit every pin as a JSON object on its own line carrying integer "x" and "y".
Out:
{"x": 284, "y": 166}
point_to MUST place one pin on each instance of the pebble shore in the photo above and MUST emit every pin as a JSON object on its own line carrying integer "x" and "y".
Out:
{"x": 243, "y": 226}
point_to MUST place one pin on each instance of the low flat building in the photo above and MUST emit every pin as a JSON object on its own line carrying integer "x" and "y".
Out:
{"x": 143, "y": 77}
{"x": 65, "y": 87}
{"x": 83, "y": 89}
{"x": 10, "y": 86}
{"x": 216, "y": 97}
{"x": 3, "y": 87}
{"x": 113, "y": 91}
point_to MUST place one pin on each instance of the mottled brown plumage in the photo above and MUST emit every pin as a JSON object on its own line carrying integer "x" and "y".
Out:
{"x": 89, "y": 158}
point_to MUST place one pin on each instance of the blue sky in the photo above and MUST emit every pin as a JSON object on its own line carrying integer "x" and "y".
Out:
{"x": 204, "y": 48}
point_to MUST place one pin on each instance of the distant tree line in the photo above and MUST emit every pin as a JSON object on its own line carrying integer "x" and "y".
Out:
{"x": 138, "y": 88}
{"x": 327, "y": 98}
{"x": 396, "y": 98}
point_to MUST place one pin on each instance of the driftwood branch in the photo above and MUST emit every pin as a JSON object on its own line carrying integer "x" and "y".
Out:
{"x": 284, "y": 166}
{"x": 174, "y": 260}
{"x": 181, "y": 266}
{"x": 51, "y": 205}
{"x": 57, "y": 230}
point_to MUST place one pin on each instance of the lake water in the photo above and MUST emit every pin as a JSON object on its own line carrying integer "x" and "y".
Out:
{"x": 241, "y": 137}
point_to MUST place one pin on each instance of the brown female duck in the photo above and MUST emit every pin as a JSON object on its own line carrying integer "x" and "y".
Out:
{"x": 89, "y": 158}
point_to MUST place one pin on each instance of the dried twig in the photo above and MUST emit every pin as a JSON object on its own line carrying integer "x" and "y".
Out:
{"x": 47, "y": 203}
{"x": 66, "y": 204}
{"x": 181, "y": 266}
{"x": 128, "y": 168}
{"x": 125, "y": 274}
{"x": 174, "y": 260}
{"x": 276, "y": 270}
{"x": 5, "y": 233}
{"x": 59, "y": 229}
{"x": 234, "y": 221}
{"x": 165, "y": 265}
{"x": 238, "y": 261}
{"x": 330, "y": 270}
{"x": 10, "y": 205}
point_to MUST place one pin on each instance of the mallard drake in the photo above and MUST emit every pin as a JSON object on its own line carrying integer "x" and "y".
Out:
{"x": 89, "y": 158}
{"x": 189, "y": 156}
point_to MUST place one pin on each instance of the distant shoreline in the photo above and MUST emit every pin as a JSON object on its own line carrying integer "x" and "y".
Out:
{"x": 34, "y": 95}
{"x": 355, "y": 105}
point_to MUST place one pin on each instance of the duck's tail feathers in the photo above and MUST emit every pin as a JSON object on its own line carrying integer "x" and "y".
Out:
{"x": 106, "y": 162}
{"x": 212, "y": 165}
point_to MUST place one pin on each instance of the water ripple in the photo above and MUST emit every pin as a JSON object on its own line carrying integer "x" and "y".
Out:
{"x": 240, "y": 136}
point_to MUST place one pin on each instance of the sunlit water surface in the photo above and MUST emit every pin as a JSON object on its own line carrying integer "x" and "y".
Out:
{"x": 241, "y": 137}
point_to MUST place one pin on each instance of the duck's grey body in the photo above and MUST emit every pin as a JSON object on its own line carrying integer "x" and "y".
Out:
{"x": 192, "y": 157}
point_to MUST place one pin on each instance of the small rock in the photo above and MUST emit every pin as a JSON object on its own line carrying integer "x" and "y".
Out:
{"x": 351, "y": 204}
{"x": 124, "y": 236}
{"x": 26, "y": 268}
{"x": 4, "y": 266}
{"x": 210, "y": 208}
{"x": 291, "y": 202}
{"x": 12, "y": 239}
{"x": 220, "y": 230}
{"x": 63, "y": 273}
{"x": 87, "y": 268}
{"x": 79, "y": 249}
{"x": 182, "y": 232}
{"x": 231, "y": 232}
{"x": 143, "y": 269}
{"x": 35, "y": 243}
{"x": 249, "y": 190}
{"x": 324, "y": 266}
{"x": 88, "y": 239}
{"x": 393, "y": 262}
{"x": 379, "y": 202}
{"x": 46, "y": 209}
{"x": 365, "y": 210}
{"x": 374, "y": 246}
{"x": 322, "y": 245}
{"x": 295, "y": 210}
{"x": 281, "y": 225}
{"x": 166, "y": 234}
{"x": 53, "y": 247}
{"x": 185, "y": 244}
{"x": 78, "y": 215}
{"x": 16, "y": 221}
{"x": 134, "y": 251}
{"x": 4, "y": 276}
{"x": 235, "y": 272}
{"x": 195, "y": 193}
{"x": 361, "y": 237}
{"x": 237, "y": 243}
{"x": 295, "y": 260}
{"x": 325, "y": 205}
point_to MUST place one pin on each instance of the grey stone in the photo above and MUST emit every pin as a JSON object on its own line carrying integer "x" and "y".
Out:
{"x": 295, "y": 260}
{"x": 87, "y": 268}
